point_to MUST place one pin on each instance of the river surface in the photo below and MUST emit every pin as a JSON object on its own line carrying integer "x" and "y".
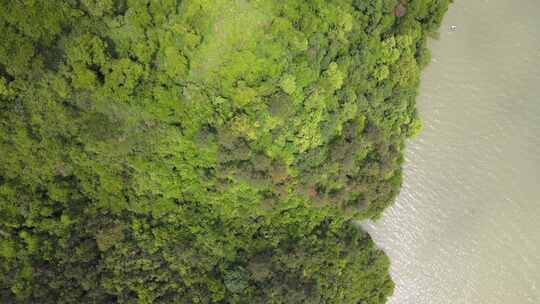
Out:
{"x": 466, "y": 226}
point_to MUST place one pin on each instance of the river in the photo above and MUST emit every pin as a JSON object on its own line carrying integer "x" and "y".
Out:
{"x": 465, "y": 228}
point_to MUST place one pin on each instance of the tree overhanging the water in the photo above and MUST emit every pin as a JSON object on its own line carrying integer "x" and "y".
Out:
{"x": 203, "y": 151}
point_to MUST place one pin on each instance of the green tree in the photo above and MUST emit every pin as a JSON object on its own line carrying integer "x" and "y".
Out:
{"x": 204, "y": 151}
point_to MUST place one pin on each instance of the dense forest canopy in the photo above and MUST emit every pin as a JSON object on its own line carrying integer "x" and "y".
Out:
{"x": 203, "y": 151}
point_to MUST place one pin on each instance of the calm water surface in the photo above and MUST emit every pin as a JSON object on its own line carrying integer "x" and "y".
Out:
{"x": 466, "y": 227}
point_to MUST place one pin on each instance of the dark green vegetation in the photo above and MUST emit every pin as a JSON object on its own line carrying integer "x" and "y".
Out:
{"x": 203, "y": 151}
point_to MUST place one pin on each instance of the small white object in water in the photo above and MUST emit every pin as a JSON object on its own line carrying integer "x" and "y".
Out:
{"x": 453, "y": 27}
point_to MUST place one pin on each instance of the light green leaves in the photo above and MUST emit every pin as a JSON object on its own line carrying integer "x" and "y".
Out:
{"x": 108, "y": 237}
{"x": 288, "y": 84}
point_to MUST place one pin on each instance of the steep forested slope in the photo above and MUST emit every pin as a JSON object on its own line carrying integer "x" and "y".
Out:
{"x": 203, "y": 151}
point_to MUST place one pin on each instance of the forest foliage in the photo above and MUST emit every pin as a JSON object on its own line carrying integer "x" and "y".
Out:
{"x": 203, "y": 151}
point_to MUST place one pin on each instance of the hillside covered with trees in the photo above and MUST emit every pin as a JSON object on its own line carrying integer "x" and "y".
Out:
{"x": 203, "y": 151}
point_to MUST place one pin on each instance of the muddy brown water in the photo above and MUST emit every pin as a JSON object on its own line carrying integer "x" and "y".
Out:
{"x": 466, "y": 226}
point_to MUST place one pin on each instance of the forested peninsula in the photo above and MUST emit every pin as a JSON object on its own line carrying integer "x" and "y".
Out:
{"x": 203, "y": 151}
